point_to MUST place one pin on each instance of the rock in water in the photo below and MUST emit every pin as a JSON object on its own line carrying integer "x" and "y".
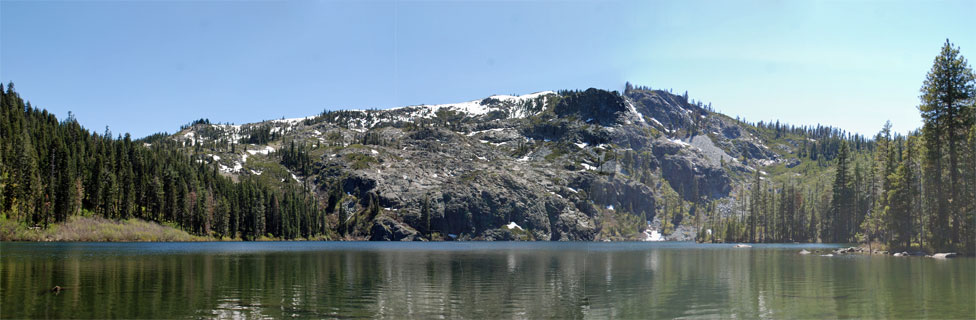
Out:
{"x": 804, "y": 251}
{"x": 944, "y": 255}
{"x": 743, "y": 246}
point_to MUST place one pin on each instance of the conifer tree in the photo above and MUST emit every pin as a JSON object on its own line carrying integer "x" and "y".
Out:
{"x": 949, "y": 88}
{"x": 842, "y": 201}
{"x": 900, "y": 203}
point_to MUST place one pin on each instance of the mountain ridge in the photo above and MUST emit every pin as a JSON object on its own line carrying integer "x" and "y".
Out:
{"x": 593, "y": 141}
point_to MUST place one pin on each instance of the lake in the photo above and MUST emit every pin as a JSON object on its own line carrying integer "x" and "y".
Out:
{"x": 474, "y": 280}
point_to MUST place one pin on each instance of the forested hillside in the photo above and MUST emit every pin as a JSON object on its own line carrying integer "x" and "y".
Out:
{"x": 51, "y": 170}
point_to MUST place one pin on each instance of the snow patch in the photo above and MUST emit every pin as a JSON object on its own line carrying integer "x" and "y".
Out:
{"x": 682, "y": 143}
{"x": 633, "y": 110}
{"x": 472, "y": 133}
{"x": 266, "y": 150}
{"x": 653, "y": 235}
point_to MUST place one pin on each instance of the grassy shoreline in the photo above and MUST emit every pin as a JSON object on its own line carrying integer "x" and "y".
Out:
{"x": 97, "y": 229}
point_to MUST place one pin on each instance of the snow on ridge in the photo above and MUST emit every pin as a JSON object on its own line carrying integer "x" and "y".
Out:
{"x": 524, "y": 97}
{"x": 367, "y": 119}
{"x": 293, "y": 120}
{"x": 473, "y": 107}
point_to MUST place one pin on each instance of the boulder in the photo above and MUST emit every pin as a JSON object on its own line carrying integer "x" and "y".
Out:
{"x": 847, "y": 250}
{"x": 804, "y": 251}
{"x": 386, "y": 229}
{"x": 944, "y": 255}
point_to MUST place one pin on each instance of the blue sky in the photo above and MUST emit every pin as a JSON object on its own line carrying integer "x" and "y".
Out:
{"x": 145, "y": 67}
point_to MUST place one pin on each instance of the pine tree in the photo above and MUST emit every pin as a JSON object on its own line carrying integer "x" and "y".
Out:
{"x": 842, "y": 201}
{"x": 342, "y": 217}
{"x": 425, "y": 215}
{"x": 900, "y": 203}
{"x": 949, "y": 87}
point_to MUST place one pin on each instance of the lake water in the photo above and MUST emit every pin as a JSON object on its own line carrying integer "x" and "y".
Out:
{"x": 473, "y": 280}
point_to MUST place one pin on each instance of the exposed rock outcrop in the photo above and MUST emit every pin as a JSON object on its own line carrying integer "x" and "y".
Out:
{"x": 556, "y": 164}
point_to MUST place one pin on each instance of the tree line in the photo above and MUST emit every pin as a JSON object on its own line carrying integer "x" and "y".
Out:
{"x": 916, "y": 191}
{"x": 51, "y": 170}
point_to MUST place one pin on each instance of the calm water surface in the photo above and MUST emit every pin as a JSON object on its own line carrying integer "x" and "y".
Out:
{"x": 473, "y": 280}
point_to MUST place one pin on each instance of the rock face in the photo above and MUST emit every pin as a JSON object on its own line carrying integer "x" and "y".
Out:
{"x": 692, "y": 179}
{"x": 593, "y": 106}
{"x": 562, "y": 166}
{"x": 386, "y": 229}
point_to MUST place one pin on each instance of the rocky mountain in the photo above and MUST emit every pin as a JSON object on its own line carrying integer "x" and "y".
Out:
{"x": 568, "y": 165}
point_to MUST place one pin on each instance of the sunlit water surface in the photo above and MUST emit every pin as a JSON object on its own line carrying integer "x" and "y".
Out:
{"x": 473, "y": 280}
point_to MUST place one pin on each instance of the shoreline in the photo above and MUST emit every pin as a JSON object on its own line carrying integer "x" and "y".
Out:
{"x": 97, "y": 229}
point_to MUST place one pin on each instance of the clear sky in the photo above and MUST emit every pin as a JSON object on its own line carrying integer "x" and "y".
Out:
{"x": 144, "y": 67}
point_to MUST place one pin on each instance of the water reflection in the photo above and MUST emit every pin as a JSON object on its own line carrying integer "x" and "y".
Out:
{"x": 481, "y": 280}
